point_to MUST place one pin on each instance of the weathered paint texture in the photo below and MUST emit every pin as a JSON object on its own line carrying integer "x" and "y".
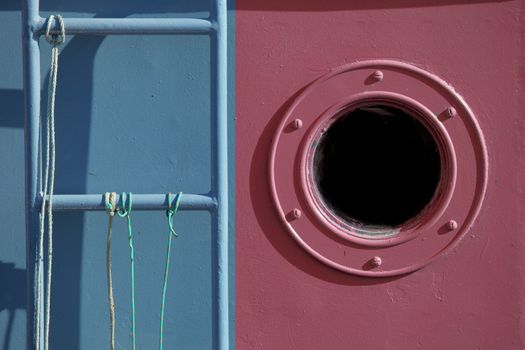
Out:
{"x": 469, "y": 299}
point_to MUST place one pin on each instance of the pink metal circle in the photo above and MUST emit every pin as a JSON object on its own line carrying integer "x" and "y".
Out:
{"x": 409, "y": 229}
{"x": 418, "y": 241}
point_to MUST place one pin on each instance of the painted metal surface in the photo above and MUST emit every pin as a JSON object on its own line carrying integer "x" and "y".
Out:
{"x": 469, "y": 299}
{"x": 123, "y": 131}
{"x": 32, "y": 24}
{"x": 415, "y": 243}
{"x": 68, "y": 202}
{"x": 128, "y": 26}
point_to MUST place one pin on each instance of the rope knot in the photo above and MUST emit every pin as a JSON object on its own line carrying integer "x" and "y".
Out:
{"x": 172, "y": 210}
{"x": 53, "y": 38}
{"x": 110, "y": 200}
{"x": 126, "y": 200}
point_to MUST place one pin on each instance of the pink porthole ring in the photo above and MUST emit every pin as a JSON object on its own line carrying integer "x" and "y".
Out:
{"x": 346, "y": 96}
{"x": 383, "y": 236}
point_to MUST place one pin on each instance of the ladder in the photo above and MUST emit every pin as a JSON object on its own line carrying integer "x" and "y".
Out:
{"x": 216, "y": 202}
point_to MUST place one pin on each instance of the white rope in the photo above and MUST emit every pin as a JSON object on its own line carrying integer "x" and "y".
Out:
{"x": 111, "y": 207}
{"x": 48, "y": 185}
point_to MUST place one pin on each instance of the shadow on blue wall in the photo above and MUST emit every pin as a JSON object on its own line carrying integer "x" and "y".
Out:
{"x": 12, "y": 112}
{"x": 73, "y": 110}
{"x": 73, "y": 115}
{"x": 12, "y": 296}
{"x": 115, "y": 9}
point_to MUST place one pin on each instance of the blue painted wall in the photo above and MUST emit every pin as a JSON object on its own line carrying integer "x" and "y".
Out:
{"x": 133, "y": 114}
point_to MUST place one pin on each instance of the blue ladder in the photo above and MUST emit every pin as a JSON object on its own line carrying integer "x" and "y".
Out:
{"x": 216, "y": 202}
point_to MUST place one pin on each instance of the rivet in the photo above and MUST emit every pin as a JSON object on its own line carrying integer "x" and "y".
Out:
{"x": 376, "y": 261}
{"x": 296, "y": 213}
{"x": 297, "y": 124}
{"x": 452, "y": 225}
{"x": 378, "y": 75}
{"x": 451, "y": 112}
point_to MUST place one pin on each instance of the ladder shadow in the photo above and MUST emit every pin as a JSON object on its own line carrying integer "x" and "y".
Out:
{"x": 73, "y": 129}
{"x": 12, "y": 297}
{"x": 74, "y": 102}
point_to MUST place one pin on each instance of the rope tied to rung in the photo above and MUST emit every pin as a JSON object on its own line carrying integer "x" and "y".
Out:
{"x": 172, "y": 210}
{"x": 48, "y": 188}
{"x": 55, "y": 39}
{"x": 110, "y": 200}
{"x": 125, "y": 212}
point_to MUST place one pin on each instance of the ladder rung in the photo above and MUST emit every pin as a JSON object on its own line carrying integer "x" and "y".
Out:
{"x": 106, "y": 26}
{"x": 91, "y": 202}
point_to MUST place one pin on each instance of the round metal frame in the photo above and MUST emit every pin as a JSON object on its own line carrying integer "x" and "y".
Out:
{"x": 378, "y": 251}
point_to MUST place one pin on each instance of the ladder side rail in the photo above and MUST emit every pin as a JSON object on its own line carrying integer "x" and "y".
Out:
{"x": 219, "y": 91}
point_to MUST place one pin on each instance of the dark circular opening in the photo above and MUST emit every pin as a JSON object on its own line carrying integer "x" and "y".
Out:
{"x": 376, "y": 165}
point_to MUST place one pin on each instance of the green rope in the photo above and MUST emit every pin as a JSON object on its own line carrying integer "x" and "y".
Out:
{"x": 125, "y": 211}
{"x": 171, "y": 211}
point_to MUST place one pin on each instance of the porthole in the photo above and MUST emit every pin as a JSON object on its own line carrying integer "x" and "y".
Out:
{"x": 374, "y": 166}
{"x": 377, "y": 168}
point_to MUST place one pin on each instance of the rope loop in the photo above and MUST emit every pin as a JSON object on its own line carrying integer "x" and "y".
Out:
{"x": 172, "y": 210}
{"x": 55, "y": 39}
{"x": 110, "y": 201}
{"x": 126, "y": 199}
{"x": 125, "y": 212}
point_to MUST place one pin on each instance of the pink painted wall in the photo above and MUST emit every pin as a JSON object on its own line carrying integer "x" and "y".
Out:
{"x": 470, "y": 299}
